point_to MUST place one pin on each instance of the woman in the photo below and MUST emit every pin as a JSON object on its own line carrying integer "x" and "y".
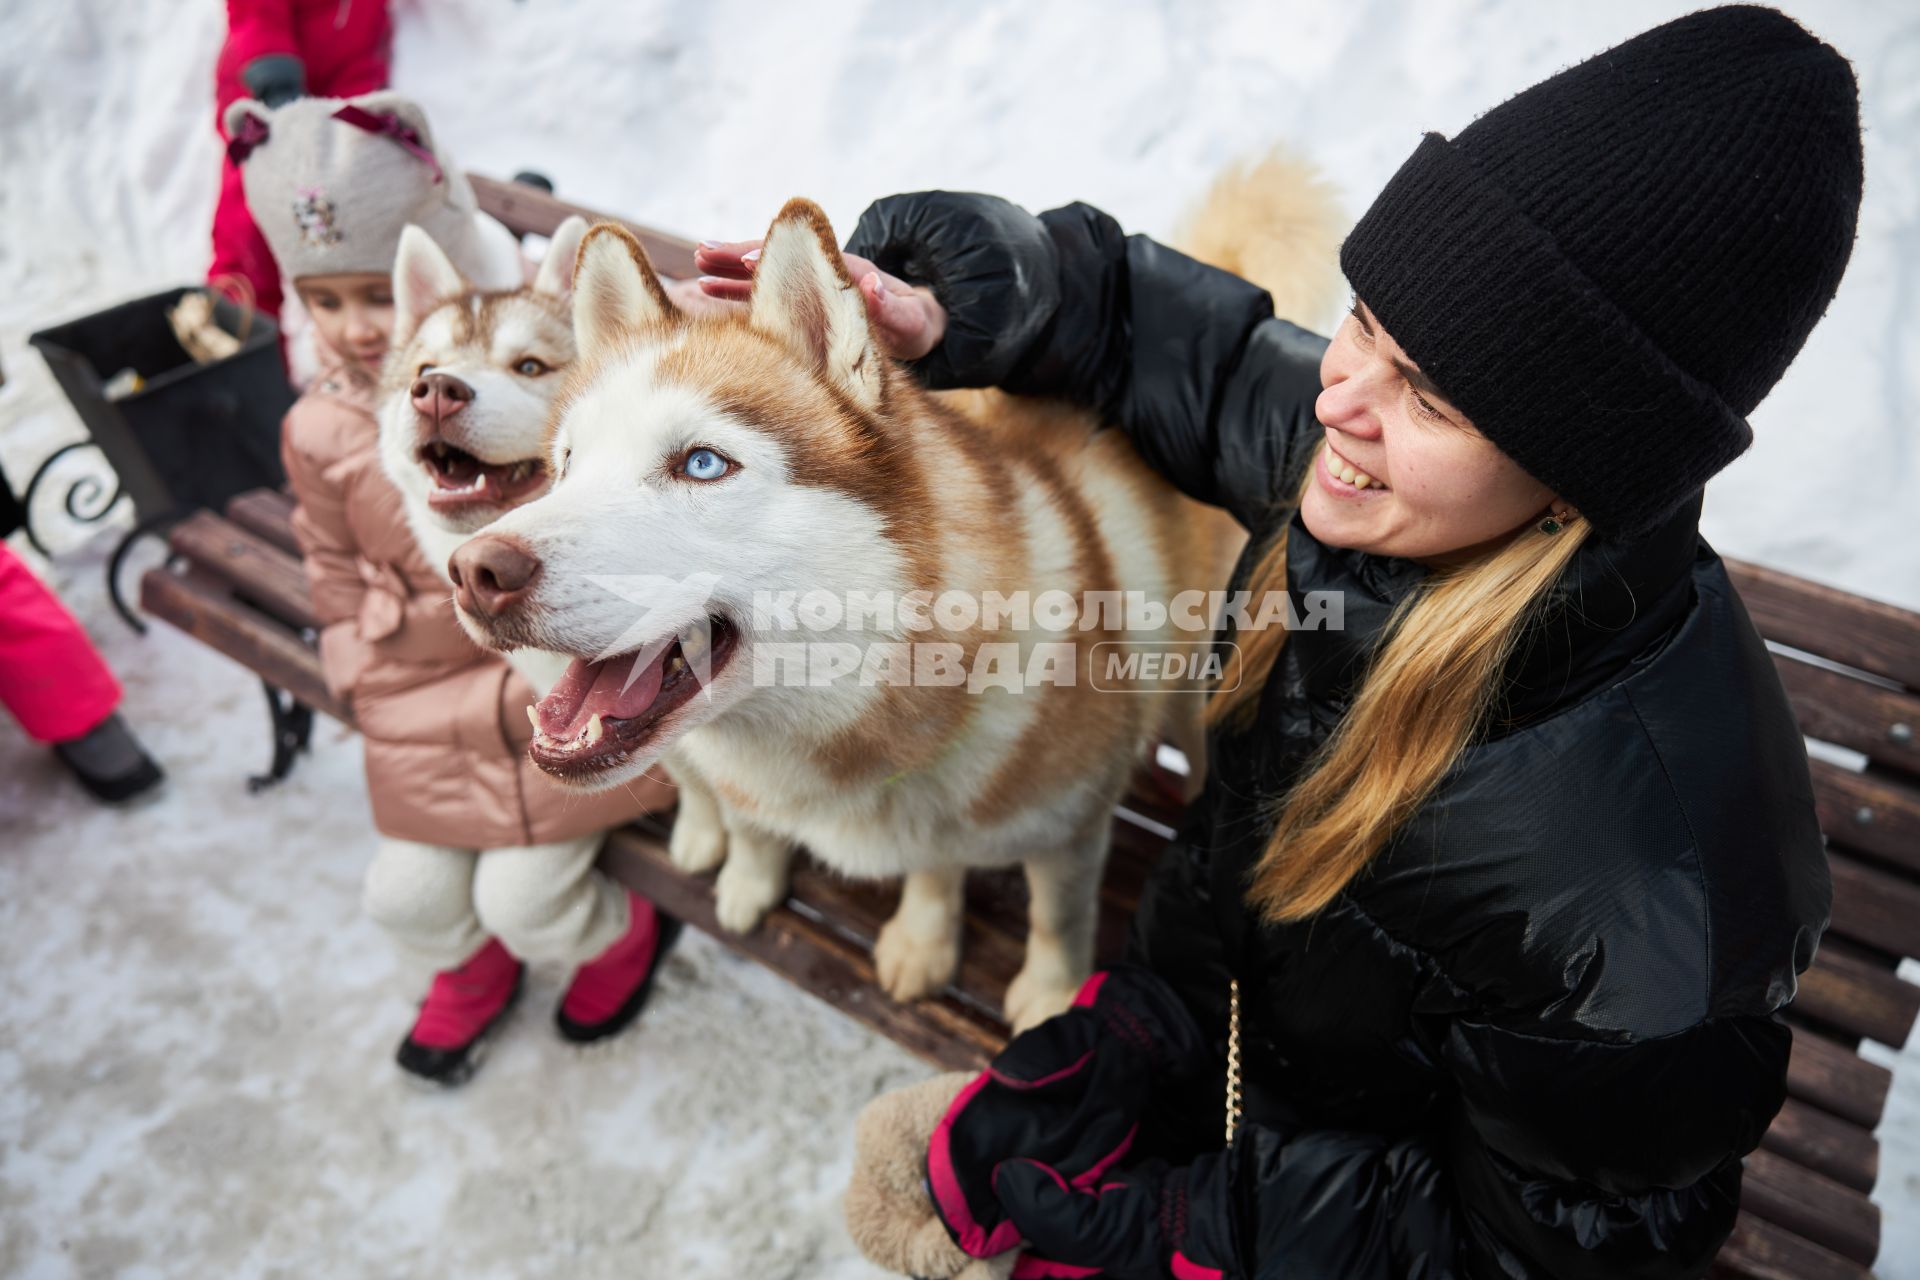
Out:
{"x": 1509, "y": 878}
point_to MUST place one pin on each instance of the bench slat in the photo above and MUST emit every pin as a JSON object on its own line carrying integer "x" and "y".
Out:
{"x": 206, "y": 609}
{"x": 1842, "y": 1150}
{"x": 815, "y": 957}
{"x": 1852, "y": 630}
{"x": 1811, "y": 1205}
{"x": 1874, "y": 906}
{"x": 1834, "y": 1077}
{"x": 989, "y": 954}
{"x": 528, "y": 211}
{"x": 1872, "y": 813}
{"x": 257, "y": 571}
{"x": 1760, "y": 1250}
{"x": 993, "y": 945}
{"x": 1878, "y": 722}
{"x": 267, "y": 513}
{"x": 1857, "y": 997}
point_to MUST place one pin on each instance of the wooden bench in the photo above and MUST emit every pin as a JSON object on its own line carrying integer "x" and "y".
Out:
{"x": 1850, "y": 665}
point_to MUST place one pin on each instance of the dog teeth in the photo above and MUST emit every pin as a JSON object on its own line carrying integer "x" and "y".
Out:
{"x": 533, "y": 717}
{"x": 694, "y": 642}
{"x": 595, "y": 730}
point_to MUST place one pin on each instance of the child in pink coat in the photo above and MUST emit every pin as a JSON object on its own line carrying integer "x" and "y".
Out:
{"x": 482, "y": 860}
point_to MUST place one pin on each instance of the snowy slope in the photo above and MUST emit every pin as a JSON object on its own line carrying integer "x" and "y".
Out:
{"x": 704, "y": 116}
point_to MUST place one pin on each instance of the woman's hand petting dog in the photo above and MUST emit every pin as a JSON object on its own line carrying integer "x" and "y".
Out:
{"x": 907, "y": 319}
{"x": 694, "y": 300}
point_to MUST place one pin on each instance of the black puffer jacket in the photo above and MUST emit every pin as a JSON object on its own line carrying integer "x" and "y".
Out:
{"x": 1536, "y": 1036}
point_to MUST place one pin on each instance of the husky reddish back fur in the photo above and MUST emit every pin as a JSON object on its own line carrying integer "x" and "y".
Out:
{"x": 822, "y": 465}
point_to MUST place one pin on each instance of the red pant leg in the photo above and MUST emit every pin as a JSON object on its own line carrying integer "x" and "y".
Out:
{"x": 239, "y": 248}
{"x": 51, "y": 677}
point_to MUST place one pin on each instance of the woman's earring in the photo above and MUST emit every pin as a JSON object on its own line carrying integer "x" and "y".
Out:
{"x": 1555, "y": 521}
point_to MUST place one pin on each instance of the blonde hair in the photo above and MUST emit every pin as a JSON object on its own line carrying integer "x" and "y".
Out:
{"x": 1429, "y": 688}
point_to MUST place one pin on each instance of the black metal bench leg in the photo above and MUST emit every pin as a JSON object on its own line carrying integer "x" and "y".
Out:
{"x": 146, "y": 528}
{"x": 292, "y": 728}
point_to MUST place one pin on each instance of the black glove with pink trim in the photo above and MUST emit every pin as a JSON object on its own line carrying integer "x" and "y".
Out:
{"x": 1143, "y": 1223}
{"x": 1067, "y": 1094}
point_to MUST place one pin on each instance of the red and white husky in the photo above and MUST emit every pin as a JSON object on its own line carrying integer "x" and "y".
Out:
{"x": 466, "y": 391}
{"x": 707, "y": 466}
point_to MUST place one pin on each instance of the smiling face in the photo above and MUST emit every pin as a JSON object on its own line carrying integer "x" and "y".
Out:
{"x": 353, "y": 312}
{"x": 1404, "y": 473}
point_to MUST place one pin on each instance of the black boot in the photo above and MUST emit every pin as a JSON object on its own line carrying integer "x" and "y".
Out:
{"x": 109, "y": 761}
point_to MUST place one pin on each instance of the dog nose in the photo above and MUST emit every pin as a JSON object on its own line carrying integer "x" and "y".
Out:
{"x": 440, "y": 395}
{"x": 491, "y": 574}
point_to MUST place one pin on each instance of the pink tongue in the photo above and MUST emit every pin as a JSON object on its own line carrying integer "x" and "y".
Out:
{"x": 602, "y": 687}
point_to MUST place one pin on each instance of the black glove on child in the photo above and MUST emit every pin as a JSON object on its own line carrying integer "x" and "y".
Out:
{"x": 275, "y": 78}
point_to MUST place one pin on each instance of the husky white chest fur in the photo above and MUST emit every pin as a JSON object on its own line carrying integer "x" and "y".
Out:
{"x": 894, "y": 627}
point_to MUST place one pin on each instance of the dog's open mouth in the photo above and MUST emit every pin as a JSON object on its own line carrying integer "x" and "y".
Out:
{"x": 601, "y": 713}
{"x": 462, "y": 480}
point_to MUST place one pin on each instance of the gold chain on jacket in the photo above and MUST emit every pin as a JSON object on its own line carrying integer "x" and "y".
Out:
{"x": 1233, "y": 1059}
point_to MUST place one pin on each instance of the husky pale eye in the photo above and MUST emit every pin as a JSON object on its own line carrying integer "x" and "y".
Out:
{"x": 530, "y": 367}
{"x": 704, "y": 464}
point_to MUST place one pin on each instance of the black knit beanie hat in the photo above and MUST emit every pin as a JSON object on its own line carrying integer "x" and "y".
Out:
{"x": 1609, "y": 270}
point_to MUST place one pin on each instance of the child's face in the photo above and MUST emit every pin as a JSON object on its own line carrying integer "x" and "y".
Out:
{"x": 353, "y": 311}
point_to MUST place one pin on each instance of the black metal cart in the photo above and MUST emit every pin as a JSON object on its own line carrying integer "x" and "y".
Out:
{"x": 187, "y": 435}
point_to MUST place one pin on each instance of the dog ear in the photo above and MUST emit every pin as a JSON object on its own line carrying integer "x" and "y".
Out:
{"x": 555, "y": 275}
{"x": 803, "y": 296}
{"x": 423, "y": 278}
{"x": 615, "y": 291}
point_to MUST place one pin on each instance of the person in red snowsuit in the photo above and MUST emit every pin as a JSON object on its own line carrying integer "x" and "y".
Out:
{"x": 276, "y": 51}
{"x": 54, "y": 682}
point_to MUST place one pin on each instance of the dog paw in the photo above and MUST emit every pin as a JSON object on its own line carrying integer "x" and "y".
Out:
{"x": 911, "y": 965}
{"x": 1039, "y": 991}
{"x": 697, "y": 847}
{"x": 742, "y": 897}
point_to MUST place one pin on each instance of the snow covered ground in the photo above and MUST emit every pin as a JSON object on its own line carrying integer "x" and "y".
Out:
{"x": 194, "y": 1020}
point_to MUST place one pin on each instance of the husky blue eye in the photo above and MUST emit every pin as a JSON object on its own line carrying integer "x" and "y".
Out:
{"x": 705, "y": 464}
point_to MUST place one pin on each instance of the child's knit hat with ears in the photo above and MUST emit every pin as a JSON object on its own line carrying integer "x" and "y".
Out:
{"x": 332, "y": 182}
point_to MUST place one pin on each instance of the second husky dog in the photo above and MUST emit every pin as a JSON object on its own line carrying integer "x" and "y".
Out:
{"x": 466, "y": 392}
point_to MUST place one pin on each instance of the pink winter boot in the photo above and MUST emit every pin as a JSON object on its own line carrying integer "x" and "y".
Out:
{"x": 608, "y": 991}
{"x": 461, "y": 1010}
